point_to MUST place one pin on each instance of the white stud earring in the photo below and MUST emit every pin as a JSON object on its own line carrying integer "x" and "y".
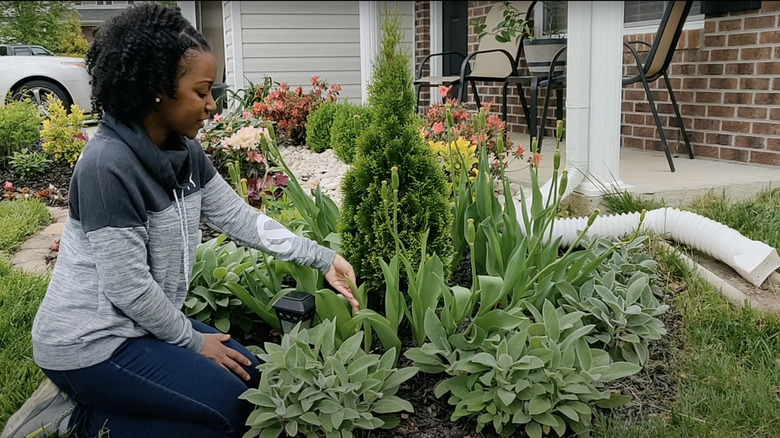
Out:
{"x": 157, "y": 99}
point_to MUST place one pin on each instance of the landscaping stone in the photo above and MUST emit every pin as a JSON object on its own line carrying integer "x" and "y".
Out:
{"x": 34, "y": 253}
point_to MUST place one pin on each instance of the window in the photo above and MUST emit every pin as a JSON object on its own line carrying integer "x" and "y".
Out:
{"x": 642, "y": 13}
{"x": 636, "y": 14}
{"x": 23, "y": 51}
{"x": 40, "y": 51}
{"x": 555, "y": 14}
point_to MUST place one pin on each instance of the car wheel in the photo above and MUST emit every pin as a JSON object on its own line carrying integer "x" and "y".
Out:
{"x": 42, "y": 94}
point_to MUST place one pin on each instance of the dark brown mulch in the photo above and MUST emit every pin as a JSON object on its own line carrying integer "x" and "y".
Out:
{"x": 57, "y": 175}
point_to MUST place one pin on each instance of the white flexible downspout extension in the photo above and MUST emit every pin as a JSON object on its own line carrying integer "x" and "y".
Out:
{"x": 753, "y": 260}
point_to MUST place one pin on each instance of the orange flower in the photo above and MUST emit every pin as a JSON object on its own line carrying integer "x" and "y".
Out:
{"x": 438, "y": 128}
{"x": 444, "y": 91}
{"x": 536, "y": 159}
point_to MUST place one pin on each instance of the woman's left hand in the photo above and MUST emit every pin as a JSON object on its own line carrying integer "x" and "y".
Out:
{"x": 337, "y": 276}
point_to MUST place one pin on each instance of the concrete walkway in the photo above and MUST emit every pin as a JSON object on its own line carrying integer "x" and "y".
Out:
{"x": 31, "y": 257}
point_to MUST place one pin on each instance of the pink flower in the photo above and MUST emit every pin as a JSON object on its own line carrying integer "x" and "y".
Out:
{"x": 536, "y": 159}
{"x": 254, "y": 157}
{"x": 246, "y": 115}
{"x": 8, "y": 186}
{"x": 444, "y": 91}
{"x": 520, "y": 150}
{"x": 335, "y": 87}
{"x": 55, "y": 246}
{"x": 438, "y": 128}
{"x": 218, "y": 117}
{"x": 314, "y": 80}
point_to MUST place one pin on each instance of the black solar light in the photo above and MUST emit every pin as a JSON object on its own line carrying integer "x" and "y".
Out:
{"x": 295, "y": 307}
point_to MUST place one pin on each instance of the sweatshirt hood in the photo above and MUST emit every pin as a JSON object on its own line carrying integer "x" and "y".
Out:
{"x": 170, "y": 166}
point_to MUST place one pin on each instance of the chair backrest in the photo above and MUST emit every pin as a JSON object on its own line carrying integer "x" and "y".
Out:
{"x": 496, "y": 64}
{"x": 666, "y": 39}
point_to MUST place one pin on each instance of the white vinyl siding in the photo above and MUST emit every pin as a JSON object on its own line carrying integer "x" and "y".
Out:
{"x": 230, "y": 58}
{"x": 293, "y": 41}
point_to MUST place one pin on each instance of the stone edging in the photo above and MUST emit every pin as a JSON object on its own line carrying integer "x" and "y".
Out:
{"x": 31, "y": 257}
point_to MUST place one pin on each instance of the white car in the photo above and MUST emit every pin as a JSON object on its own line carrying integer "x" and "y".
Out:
{"x": 43, "y": 78}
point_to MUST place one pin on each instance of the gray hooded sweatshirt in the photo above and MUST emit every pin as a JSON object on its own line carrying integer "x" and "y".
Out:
{"x": 128, "y": 246}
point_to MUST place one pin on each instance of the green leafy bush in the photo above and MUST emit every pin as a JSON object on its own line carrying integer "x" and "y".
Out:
{"x": 349, "y": 122}
{"x": 312, "y": 387}
{"x": 28, "y": 164}
{"x": 393, "y": 140}
{"x": 318, "y": 126}
{"x": 62, "y": 135}
{"x": 20, "y": 127}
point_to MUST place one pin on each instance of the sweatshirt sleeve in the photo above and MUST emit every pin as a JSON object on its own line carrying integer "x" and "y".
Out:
{"x": 113, "y": 216}
{"x": 125, "y": 280}
{"x": 224, "y": 209}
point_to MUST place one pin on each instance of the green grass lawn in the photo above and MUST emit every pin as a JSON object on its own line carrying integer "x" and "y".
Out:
{"x": 20, "y": 220}
{"x": 727, "y": 369}
{"x": 727, "y": 361}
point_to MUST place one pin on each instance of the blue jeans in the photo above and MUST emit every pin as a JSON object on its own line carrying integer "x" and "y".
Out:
{"x": 150, "y": 388}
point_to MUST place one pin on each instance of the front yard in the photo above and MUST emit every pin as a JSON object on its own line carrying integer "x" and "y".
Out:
{"x": 474, "y": 321}
{"x": 716, "y": 374}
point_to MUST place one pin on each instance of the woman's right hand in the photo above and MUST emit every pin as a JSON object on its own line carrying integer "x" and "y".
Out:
{"x": 215, "y": 349}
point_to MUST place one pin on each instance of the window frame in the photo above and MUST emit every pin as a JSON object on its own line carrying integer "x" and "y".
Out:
{"x": 694, "y": 22}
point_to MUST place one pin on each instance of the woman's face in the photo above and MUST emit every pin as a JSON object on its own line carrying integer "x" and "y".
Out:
{"x": 186, "y": 113}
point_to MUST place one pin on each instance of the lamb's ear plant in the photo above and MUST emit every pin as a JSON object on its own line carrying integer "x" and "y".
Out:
{"x": 538, "y": 376}
{"x": 620, "y": 303}
{"x": 311, "y": 386}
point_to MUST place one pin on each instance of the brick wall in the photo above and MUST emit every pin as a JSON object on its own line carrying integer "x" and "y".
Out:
{"x": 422, "y": 24}
{"x": 726, "y": 79}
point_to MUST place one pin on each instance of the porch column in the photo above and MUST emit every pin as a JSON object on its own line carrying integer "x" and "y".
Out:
{"x": 369, "y": 43}
{"x": 435, "y": 35}
{"x": 594, "y": 90}
{"x": 188, "y": 10}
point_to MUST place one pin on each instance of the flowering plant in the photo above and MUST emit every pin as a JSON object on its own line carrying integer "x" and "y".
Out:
{"x": 290, "y": 108}
{"x": 50, "y": 195}
{"x": 461, "y": 152}
{"x": 236, "y": 137}
{"x": 436, "y": 131}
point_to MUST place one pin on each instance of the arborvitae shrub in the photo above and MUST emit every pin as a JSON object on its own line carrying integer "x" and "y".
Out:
{"x": 393, "y": 139}
{"x": 318, "y": 126}
{"x": 349, "y": 122}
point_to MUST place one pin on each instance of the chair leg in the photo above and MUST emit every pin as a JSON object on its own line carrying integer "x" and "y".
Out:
{"x": 476, "y": 94}
{"x": 679, "y": 116}
{"x": 524, "y": 104}
{"x": 658, "y": 124}
{"x": 417, "y": 105}
{"x": 504, "y": 104}
{"x": 463, "y": 92}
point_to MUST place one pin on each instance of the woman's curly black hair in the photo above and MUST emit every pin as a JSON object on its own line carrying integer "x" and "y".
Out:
{"x": 136, "y": 56}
